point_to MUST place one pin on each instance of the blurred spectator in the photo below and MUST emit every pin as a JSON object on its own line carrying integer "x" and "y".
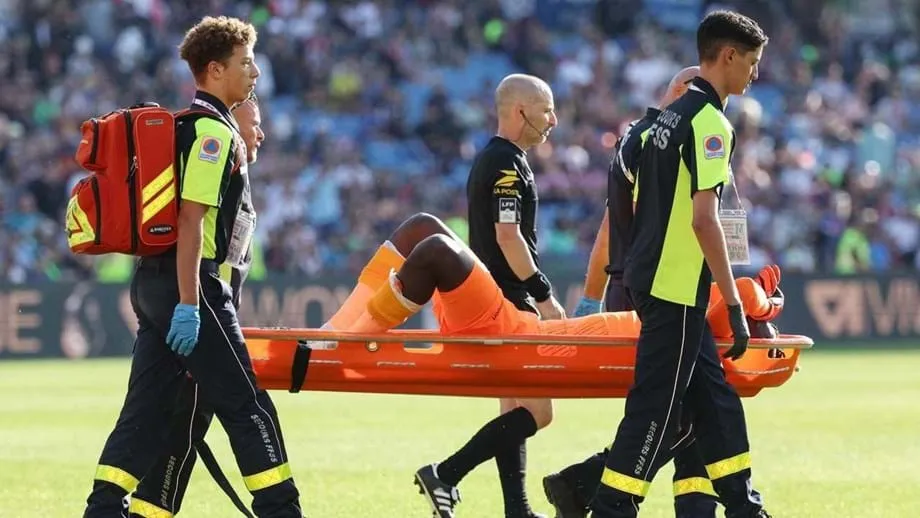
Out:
{"x": 374, "y": 109}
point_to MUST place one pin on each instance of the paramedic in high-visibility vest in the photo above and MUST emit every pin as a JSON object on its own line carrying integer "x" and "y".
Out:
{"x": 676, "y": 251}
{"x": 164, "y": 486}
{"x": 188, "y": 324}
{"x": 570, "y": 490}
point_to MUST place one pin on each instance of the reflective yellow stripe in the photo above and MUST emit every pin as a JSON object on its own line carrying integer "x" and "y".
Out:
{"x": 730, "y": 466}
{"x": 147, "y": 510}
{"x": 164, "y": 198}
{"x": 624, "y": 483}
{"x": 162, "y": 180}
{"x": 79, "y": 231}
{"x": 159, "y": 203}
{"x": 694, "y": 485}
{"x": 268, "y": 478}
{"x": 117, "y": 476}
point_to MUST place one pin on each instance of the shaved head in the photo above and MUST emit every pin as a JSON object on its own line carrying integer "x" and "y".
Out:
{"x": 685, "y": 75}
{"x": 520, "y": 89}
{"x": 526, "y": 113}
{"x": 679, "y": 84}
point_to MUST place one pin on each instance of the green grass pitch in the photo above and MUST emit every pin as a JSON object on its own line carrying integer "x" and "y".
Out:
{"x": 839, "y": 440}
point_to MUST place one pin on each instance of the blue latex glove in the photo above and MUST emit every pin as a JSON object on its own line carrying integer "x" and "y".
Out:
{"x": 183, "y": 330}
{"x": 587, "y": 306}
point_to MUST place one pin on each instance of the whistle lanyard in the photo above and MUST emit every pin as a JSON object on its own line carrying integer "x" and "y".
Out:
{"x": 208, "y": 106}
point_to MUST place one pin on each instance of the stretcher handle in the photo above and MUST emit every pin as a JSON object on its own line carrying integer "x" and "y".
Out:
{"x": 427, "y": 336}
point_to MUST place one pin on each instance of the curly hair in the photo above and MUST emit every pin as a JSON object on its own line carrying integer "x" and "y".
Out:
{"x": 214, "y": 39}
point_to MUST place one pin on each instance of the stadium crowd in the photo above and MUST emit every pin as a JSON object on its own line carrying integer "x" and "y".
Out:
{"x": 374, "y": 109}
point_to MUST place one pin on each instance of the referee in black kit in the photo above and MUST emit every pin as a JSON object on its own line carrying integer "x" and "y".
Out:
{"x": 677, "y": 249}
{"x": 502, "y": 212}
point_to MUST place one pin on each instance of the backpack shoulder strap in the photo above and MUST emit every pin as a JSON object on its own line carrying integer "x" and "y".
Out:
{"x": 195, "y": 113}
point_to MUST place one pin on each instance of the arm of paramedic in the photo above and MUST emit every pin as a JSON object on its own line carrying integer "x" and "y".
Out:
{"x": 506, "y": 213}
{"x": 208, "y": 162}
{"x": 596, "y": 278}
{"x": 188, "y": 250}
{"x": 707, "y": 158}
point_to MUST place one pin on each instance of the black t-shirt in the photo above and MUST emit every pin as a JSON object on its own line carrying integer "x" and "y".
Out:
{"x": 621, "y": 177}
{"x": 501, "y": 189}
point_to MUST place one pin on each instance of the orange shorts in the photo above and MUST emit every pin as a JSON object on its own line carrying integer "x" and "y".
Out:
{"x": 477, "y": 307}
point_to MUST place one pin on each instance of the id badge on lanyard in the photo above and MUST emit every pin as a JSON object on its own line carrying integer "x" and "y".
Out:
{"x": 240, "y": 238}
{"x": 734, "y": 226}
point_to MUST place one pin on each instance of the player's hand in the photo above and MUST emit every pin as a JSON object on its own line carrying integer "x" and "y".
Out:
{"x": 551, "y": 309}
{"x": 740, "y": 331}
{"x": 183, "y": 330}
{"x": 587, "y": 306}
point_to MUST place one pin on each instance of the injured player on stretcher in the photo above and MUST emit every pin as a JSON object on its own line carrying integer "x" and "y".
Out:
{"x": 424, "y": 260}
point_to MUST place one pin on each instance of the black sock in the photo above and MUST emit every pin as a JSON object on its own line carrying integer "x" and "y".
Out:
{"x": 512, "y": 467}
{"x": 504, "y": 432}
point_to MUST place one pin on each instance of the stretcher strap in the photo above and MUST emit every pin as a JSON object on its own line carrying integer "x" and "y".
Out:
{"x": 210, "y": 462}
{"x": 299, "y": 366}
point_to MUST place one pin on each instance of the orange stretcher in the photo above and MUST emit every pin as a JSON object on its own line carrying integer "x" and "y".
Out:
{"x": 483, "y": 366}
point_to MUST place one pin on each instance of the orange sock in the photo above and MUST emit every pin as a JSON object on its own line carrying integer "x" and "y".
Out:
{"x": 753, "y": 298}
{"x": 386, "y": 309}
{"x": 371, "y": 278}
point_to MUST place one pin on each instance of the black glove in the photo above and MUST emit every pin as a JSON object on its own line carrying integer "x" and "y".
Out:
{"x": 739, "y": 330}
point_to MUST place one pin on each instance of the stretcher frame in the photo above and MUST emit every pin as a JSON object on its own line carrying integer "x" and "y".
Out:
{"x": 521, "y": 366}
{"x": 433, "y": 336}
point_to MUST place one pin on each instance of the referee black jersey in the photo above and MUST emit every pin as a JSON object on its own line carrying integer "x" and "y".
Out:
{"x": 621, "y": 177}
{"x": 688, "y": 149}
{"x": 501, "y": 189}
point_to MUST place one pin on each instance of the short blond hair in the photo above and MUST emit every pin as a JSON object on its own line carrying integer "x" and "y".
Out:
{"x": 214, "y": 39}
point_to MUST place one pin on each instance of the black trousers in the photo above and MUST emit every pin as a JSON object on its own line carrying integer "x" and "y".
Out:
{"x": 160, "y": 391}
{"x": 693, "y": 495}
{"x": 164, "y": 485}
{"x": 677, "y": 370}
